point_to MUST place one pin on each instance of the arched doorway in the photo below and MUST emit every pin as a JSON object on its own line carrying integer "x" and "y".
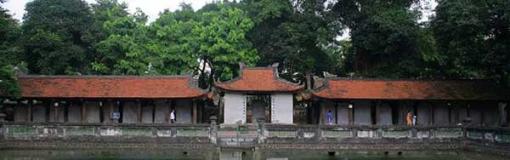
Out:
{"x": 258, "y": 107}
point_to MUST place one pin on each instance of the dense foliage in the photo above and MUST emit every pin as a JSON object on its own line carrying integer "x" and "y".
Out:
{"x": 465, "y": 39}
{"x": 473, "y": 38}
{"x": 9, "y": 53}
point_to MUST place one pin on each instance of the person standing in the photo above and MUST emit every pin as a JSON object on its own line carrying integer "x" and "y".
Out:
{"x": 172, "y": 116}
{"x": 329, "y": 116}
{"x": 409, "y": 118}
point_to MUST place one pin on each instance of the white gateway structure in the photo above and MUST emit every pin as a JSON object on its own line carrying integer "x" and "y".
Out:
{"x": 258, "y": 94}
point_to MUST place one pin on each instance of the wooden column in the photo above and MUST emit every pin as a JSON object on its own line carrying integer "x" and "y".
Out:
{"x": 47, "y": 114}
{"x": 66, "y": 112}
{"x": 83, "y": 111}
{"x": 140, "y": 112}
{"x": 336, "y": 112}
{"x": 29, "y": 111}
{"x": 321, "y": 114}
{"x": 377, "y": 112}
{"x": 194, "y": 111}
{"x": 110, "y": 113}
{"x": 200, "y": 116}
{"x": 351, "y": 113}
{"x": 431, "y": 114}
{"x": 55, "y": 114}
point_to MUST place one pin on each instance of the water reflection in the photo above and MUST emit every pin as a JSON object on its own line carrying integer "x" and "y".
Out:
{"x": 232, "y": 154}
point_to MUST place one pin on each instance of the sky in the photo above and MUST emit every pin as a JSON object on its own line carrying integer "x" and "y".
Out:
{"x": 151, "y": 7}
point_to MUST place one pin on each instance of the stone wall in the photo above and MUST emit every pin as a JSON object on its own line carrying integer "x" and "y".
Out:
{"x": 183, "y": 111}
{"x": 108, "y": 108}
{"x": 327, "y": 106}
{"x": 162, "y": 111}
{"x": 104, "y": 133}
{"x": 490, "y": 115}
{"x": 21, "y": 113}
{"x": 282, "y": 108}
{"x": 385, "y": 116}
{"x": 130, "y": 112}
{"x": 57, "y": 113}
{"x": 74, "y": 112}
{"x": 343, "y": 112}
{"x": 39, "y": 112}
{"x": 147, "y": 113}
{"x": 234, "y": 108}
{"x": 362, "y": 113}
{"x": 423, "y": 114}
{"x": 441, "y": 114}
{"x": 92, "y": 112}
{"x": 270, "y": 135}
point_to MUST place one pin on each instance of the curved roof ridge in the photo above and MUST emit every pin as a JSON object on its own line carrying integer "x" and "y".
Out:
{"x": 105, "y": 76}
{"x": 169, "y": 87}
{"x": 259, "y": 79}
{"x": 411, "y": 89}
{"x": 401, "y": 79}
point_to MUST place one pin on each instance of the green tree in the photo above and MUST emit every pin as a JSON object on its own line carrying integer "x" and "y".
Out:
{"x": 121, "y": 46}
{"x": 473, "y": 37}
{"x": 56, "y": 36}
{"x": 217, "y": 37}
{"x": 172, "y": 43}
{"x": 222, "y": 41}
{"x": 9, "y": 53}
{"x": 106, "y": 10}
{"x": 297, "y": 34}
{"x": 385, "y": 37}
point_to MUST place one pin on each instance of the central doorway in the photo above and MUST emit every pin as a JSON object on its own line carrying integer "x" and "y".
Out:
{"x": 258, "y": 107}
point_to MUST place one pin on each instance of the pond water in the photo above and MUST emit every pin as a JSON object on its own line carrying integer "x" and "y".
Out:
{"x": 216, "y": 154}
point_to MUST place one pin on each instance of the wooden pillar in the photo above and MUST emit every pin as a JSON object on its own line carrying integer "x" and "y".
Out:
{"x": 431, "y": 114}
{"x": 200, "y": 110}
{"x": 351, "y": 113}
{"x": 110, "y": 116}
{"x": 336, "y": 112}
{"x": 377, "y": 113}
{"x": 66, "y": 112}
{"x": 29, "y": 111}
{"x": 321, "y": 114}
{"x": 169, "y": 110}
{"x": 140, "y": 112}
{"x": 55, "y": 105}
{"x": 194, "y": 116}
{"x": 83, "y": 111}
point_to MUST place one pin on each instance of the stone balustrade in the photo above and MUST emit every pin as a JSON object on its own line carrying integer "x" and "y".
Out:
{"x": 55, "y": 131}
{"x": 250, "y": 135}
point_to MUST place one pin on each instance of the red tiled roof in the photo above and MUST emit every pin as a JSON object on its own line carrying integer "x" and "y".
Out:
{"x": 412, "y": 90}
{"x": 259, "y": 79}
{"x": 107, "y": 87}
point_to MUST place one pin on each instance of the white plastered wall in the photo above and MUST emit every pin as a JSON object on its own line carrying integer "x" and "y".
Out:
{"x": 235, "y": 108}
{"x": 282, "y": 108}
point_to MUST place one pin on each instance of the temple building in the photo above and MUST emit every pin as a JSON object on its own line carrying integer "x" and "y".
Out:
{"x": 431, "y": 102}
{"x": 258, "y": 95}
{"x": 109, "y": 99}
